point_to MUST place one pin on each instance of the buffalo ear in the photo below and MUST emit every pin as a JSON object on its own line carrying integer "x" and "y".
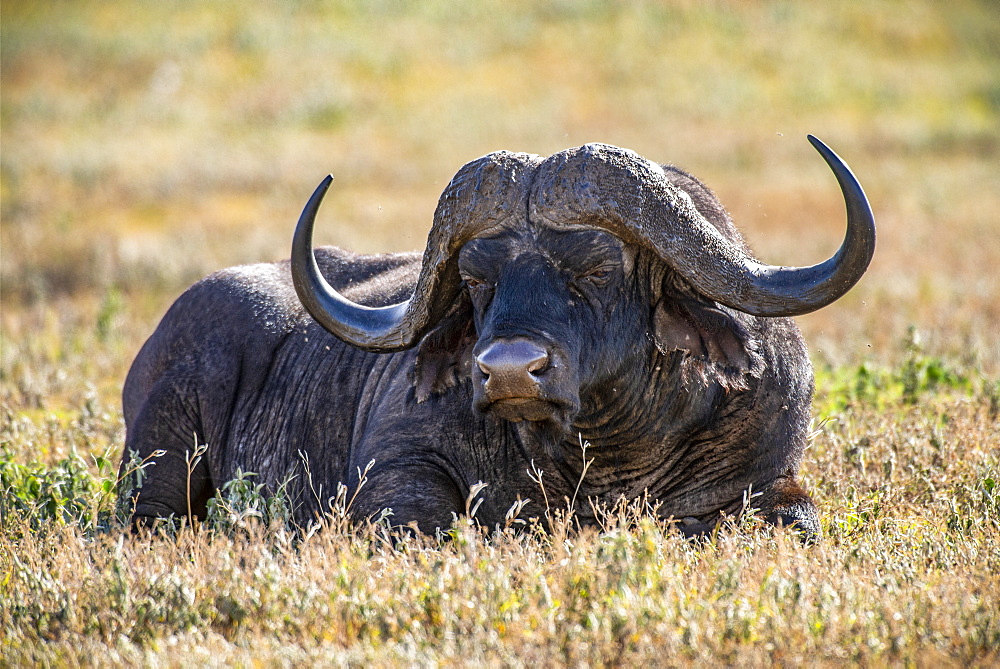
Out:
{"x": 444, "y": 356}
{"x": 717, "y": 344}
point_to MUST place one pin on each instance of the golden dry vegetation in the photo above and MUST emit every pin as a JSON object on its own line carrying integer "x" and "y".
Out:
{"x": 145, "y": 144}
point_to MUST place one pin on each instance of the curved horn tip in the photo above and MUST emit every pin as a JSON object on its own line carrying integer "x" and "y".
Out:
{"x": 308, "y": 215}
{"x": 818, "y": 144}
{"x": 323, "y": 186}
{"x": 824, "y": 150}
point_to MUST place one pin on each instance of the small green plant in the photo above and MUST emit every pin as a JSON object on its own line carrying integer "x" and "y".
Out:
{"x": 64, "y": 493}
{"x": 109, "y": 315}
{"x": 242, "y": 503}
{"x": 916, "y": 376}
{"x": 130, "y": 482}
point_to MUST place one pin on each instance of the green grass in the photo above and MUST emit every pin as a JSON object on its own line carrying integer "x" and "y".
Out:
{"x": 915, "y": 376}
{"x": 146, "y": 144}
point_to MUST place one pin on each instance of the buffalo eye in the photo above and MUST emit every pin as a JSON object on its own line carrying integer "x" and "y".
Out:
{"x": 598, "y": 275}
{"x": 477, "y": 286}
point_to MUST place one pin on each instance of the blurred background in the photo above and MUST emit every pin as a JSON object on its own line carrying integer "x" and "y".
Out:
{"x": 146, "y": 144}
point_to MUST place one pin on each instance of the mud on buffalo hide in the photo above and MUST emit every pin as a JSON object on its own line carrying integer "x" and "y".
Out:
{"x": 591, "y": 296}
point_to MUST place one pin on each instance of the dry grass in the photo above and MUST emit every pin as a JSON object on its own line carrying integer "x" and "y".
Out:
{"x": 907, "y": 573}
{"x": 146, "y": 144}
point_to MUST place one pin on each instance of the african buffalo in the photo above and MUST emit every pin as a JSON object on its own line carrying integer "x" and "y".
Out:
{"x": 591, "y": 296}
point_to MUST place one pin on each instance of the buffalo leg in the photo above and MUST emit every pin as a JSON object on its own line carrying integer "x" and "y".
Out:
{"x": 162, "y": 474}
{"x": 785, "y": 503}
{"x": 421, "y": 494}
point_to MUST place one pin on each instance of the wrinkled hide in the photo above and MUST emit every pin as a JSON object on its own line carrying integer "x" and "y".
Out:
{"x": 549, "y": 308}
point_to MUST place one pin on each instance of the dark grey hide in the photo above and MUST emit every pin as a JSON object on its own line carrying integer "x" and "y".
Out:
{"x": 589, "y": 296}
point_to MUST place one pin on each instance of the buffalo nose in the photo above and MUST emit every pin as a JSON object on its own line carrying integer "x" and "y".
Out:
{"x": 509, "y": 362}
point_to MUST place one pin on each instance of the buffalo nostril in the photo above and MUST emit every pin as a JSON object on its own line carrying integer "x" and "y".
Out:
{"x": 538, "y": 363}
{"x": 511, "y": 359}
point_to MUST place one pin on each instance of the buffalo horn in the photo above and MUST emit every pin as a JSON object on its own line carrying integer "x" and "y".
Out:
{"x": 486, "y": 193}
{"x": 632, "y": 197}
{"x": 370, "y": 328}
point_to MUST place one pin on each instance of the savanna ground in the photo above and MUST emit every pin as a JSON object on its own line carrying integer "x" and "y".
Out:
{"x": 146, "y": 144}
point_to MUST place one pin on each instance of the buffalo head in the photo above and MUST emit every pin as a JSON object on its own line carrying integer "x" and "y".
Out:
{"x": 546, "y": 280}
